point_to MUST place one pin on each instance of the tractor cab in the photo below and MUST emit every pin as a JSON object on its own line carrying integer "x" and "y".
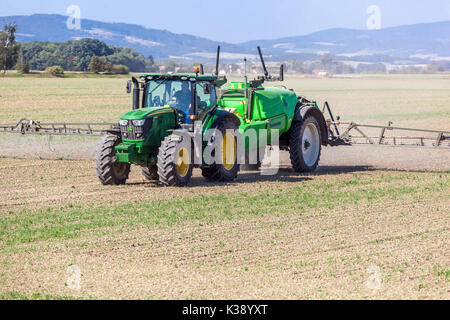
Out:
{"x": 190, "y": 96}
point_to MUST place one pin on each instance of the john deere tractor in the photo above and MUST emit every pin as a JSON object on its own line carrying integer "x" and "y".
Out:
{"x": 174, "y": 108}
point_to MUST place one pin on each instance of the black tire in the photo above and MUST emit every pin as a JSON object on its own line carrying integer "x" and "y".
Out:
{"x": 169, "y": 172}
{"x": 305, "y": 145}
{"x": 217, "y": 171}
{"x": 110, "y": 172}
{"x": 150, "y": 172}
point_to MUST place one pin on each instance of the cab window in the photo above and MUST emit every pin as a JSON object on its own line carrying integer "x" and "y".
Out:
{"x": 205, "y": 101}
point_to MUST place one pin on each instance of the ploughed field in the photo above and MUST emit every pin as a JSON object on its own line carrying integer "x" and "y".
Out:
{"x": 372, "y": 222}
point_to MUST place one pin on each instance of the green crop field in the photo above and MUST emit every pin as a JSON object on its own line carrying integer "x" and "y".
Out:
{"x": 288, "y": 236}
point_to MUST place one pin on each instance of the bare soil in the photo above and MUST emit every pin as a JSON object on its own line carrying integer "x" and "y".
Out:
{"x": 37, "y": 182}
{"x": 316, "y": 254}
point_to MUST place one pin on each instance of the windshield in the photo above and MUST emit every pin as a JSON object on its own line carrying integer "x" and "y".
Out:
{"x": 173, "y": 93}
{"x": 178, "y": 94}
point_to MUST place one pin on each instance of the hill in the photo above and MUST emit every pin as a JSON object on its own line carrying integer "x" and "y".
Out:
{"x": 414, "y": 43}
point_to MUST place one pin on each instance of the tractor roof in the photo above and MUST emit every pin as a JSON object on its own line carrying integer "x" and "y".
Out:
{"x": 219, "y": 80}
{"x": 179, "y": 76}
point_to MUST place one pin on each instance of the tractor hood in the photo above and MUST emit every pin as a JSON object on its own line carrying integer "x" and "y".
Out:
{"x": 145, "y": 113}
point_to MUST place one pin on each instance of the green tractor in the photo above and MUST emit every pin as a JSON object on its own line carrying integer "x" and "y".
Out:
{"x": 177, "y": 108}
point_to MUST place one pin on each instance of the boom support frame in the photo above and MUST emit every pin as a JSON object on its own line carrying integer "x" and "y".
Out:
{"x": 26, "y": 126}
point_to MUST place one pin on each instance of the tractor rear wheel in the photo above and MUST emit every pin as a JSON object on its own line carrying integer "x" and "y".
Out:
{"x": 305, "y": 145}
{"x": 228, "y": 169}
{"x": 174, "y": 161}
{"x": 150, "y": 172}
{"x": 109, "y": 171}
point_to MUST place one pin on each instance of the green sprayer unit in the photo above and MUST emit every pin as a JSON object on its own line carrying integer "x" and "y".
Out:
{"x": 182, "y": 121}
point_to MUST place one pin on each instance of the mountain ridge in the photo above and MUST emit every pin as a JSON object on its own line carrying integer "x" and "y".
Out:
{"x": 416, "y": 43}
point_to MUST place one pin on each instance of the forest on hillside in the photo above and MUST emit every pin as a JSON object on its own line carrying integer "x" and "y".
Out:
{"x": 76, "y": 55}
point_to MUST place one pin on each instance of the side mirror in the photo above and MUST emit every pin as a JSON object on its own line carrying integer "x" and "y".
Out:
{"x": 128, "y": 86}
{"x": 282, "y": 72}
{"x": 207, "y": 88}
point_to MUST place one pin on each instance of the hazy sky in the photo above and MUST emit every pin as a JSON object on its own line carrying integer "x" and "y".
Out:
{"x": 241, "y": 20}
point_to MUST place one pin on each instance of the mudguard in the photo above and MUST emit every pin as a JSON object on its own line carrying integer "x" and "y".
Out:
{"x": 220, "y": 114}
{"x": 311, "y": 110}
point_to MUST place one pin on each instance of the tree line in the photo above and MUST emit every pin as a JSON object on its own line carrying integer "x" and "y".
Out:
{"x": 77, "y": 55}
{"x": 74, "y": 55}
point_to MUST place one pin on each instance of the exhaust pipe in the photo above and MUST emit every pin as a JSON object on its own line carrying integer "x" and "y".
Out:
{"x": 217, "y": 60}
{"x": 266, "y": 74}
{"x": 136, "y": 93}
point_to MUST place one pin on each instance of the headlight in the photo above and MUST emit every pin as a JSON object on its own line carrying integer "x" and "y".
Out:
{"x": 123, "y": 122}
{"x": 139, "y": 123}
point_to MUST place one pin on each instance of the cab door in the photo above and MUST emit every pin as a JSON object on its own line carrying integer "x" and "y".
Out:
{"x": 206, "y": 99}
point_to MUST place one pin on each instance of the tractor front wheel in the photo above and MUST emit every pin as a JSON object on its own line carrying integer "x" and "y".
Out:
{"x": 109, "y": 171}
{"x": 304, "y": 145}
{"x": 174, "y": 161}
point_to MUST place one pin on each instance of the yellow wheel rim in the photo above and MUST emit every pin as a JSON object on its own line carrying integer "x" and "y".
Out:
{"x": 183, "y": 162}
{"x": 228, "y": 151}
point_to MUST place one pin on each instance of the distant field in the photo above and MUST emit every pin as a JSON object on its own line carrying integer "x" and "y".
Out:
{"x": 290, "y": 236}
{"x": 409, "y": 99}
{"x": 56, "y": 99}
